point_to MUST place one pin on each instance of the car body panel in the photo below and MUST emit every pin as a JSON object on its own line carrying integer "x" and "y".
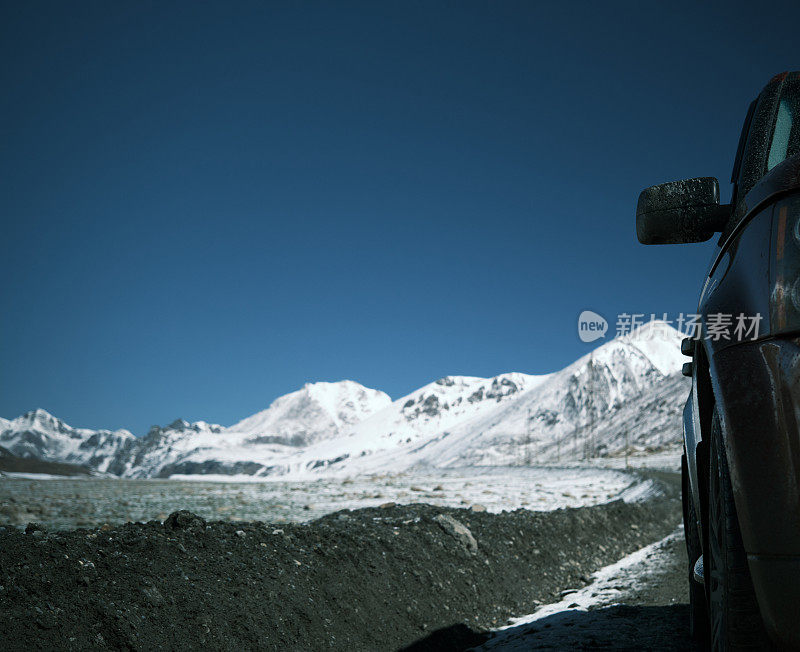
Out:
{"x": 691, "y": 429}
{"x": 757, "y": 389}
{"x": 740, "y": 281}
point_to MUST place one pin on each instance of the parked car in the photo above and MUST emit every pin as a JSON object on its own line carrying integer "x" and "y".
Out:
{"x": 741, "y": 462}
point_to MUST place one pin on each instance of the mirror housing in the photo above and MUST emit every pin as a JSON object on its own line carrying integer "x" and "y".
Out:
{"x": 680, "y": 211}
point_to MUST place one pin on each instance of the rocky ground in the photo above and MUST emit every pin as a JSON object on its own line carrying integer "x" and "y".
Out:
{"x": 82, "y": 502}
{"x": 383, "y": 578}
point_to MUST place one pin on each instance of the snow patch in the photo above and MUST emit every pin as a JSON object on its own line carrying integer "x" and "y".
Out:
{"x": 606, "y": 588}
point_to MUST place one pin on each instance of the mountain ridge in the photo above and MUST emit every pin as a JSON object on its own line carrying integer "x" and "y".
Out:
{"x": 625, "y": 392}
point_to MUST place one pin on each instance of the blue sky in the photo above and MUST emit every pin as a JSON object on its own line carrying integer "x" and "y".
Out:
{"x": 206, "y": 205}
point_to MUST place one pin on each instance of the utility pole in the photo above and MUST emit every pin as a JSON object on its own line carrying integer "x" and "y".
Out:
{"x": 528, "y": 439}
{"x": 626, "y": 448}
{"x": 590, "y": 410}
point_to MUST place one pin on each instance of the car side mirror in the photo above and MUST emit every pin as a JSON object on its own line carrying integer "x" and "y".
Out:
{"x": 680, "y": 211}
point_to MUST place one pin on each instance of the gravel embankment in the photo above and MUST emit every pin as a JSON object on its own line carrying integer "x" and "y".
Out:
{"x": 371, "y": 579}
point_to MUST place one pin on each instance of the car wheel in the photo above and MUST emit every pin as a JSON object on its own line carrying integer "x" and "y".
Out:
{"x": 698, "y": 608}
{"x": 735, "y": 621}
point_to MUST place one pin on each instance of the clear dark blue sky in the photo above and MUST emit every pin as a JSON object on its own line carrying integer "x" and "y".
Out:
{"x": 206, "y": 205}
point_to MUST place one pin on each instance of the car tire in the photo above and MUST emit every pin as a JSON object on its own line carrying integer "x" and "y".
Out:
{"x": 735, "y": 621}
{"x": 698, "y": 607}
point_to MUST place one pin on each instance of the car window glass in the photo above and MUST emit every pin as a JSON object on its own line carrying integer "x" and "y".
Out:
{"x": 785, "y": 140}
{"x": 780, "y": 138}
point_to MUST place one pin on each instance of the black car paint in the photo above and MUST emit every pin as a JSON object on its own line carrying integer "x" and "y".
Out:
{"x": 755, "y": 386}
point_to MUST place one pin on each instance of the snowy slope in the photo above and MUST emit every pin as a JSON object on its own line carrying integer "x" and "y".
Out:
{"x": 628, "y": 391}
{"x": 317, "y": 411}
{"x": 630, "y": 386}
{"x": 41, "y": 435}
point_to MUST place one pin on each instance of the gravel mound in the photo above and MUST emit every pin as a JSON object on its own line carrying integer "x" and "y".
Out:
{"x": 395, "y": 577}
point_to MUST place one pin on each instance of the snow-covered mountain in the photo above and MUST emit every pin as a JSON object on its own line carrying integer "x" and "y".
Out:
{"x": 315, "y": 412}
{"x": 628, "y": 392}
{"x": 41, "y": 435}
{"x": 164, "y": 446}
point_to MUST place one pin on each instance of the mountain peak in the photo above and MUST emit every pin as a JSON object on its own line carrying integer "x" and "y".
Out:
{"x": 38, "y": 413}
{"x": 656, "y": 342}
{"x": 654, "y": 329}
{"x": 344, "y": 385}
{"x": 316, "y": 411}
{"x": 182, "y": 425}
{"x": 41, "y": 435}
{"x": 660, "y": 343}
